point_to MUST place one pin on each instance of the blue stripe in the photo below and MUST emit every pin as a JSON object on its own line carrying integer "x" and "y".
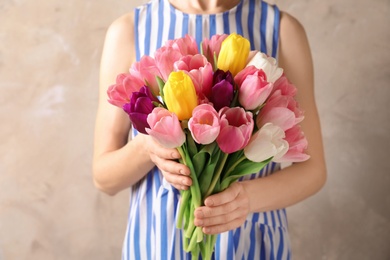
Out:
{"x": 236, "y": 237}
{"x": 263, "y": 26}
{"x": 275, "y": 41}
{"x": 272, "y": 256}
{"x": 160, "y": 24}
{"x": 238, "y": 20}
{"x": 252, "y": 246}
{"x": 163, "y": 226}
{"x": 262, "y": 248}
{"x": 213, "y": 26}
{"x": 148, "y": 29}
{"x": 226, "y": 27}
{"x": 251, "y": 15}
{"x": 137, "y": 49}
{"x": 273, "y": 218}
{"x": 281, "y": 244}
{"x": 185, "y": 25}
{"x": 171, "y": 34}
{"x": 149, "y": 212}
{"x": 230, "y": 253}
{"x": 198, "y": 29}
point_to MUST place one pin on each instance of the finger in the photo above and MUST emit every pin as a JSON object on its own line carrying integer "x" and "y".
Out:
{"x": 163, "y": 152}
{"x": 210, "y": 212}
{"x": 177, "y": 180}
{"x": 223, "y": 197}
{"x": 170, "y": 166}
{"x": 217, "y": 229}
{"x": 219, "y": 219}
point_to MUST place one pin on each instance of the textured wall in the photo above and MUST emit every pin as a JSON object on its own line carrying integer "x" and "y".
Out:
{"x": 49, "y": 56}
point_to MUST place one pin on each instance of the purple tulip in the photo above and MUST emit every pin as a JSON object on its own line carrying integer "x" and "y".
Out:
{"x": 140, "y": 106}
{"x": 222, "y": 91}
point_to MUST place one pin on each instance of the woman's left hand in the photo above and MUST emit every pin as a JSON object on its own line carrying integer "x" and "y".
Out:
{"x": 223, "y": 211}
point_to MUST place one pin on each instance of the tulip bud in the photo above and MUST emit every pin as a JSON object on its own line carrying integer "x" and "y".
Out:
{"x": 234, "y": 53}
{"x": 180, "y": 95}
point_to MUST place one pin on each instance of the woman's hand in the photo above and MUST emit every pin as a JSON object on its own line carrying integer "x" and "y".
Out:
{"x": 224, "y": 211}
{"x": 177, "y": 174}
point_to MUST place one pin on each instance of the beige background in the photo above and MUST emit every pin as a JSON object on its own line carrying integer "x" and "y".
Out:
{"x": 49, "y": 56}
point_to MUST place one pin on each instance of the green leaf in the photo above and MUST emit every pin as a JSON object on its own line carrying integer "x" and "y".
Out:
{"x": 244, "y": 168}
{"x": 161, "y": 85}
{"x": 191, "y": 145}
{"x": 207, "y": 174}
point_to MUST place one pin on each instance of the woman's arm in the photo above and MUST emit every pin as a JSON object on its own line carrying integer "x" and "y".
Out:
{"x": 119, "y": 163}
{"x": 228, "y": 209}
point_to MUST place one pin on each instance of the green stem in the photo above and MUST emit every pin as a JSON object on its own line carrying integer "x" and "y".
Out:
{"x": 194, "y": 188}
{"x": 231, "y": 168}
{"x": 185, "y": 195}
{"x": 216, "y": 175}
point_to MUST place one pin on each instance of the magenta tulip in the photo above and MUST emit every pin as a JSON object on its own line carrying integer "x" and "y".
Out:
{"x": 236, "y": 129}
{"x": 165, "y": 128}
{"x": 141, "y": 105}
{"x": 200, "y": 71}
{"x": 222, "y": 91}
{"x": 120, "y": 93}
{"x": 297, "y": 146}
{"x": 204, "y": 124}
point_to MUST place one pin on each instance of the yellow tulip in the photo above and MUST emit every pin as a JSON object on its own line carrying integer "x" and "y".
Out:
{"x": 234, "y": 53}
{"x": 180, "y": 95}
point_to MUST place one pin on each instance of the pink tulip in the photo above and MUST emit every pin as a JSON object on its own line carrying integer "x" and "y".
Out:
{"x": 236, "y": 129}
{"x": 185, "y": 45}
{"x": 146, "y": 71}
{"x": 204, "y": 124}
{"x": 297, "y": 146}
{"x": 285, "y": 87}
{"x": 165, "y": 128}
{"x": 200, "y": 71}
{"x": 119, "y": 94}
{"x": 253, "y": 88}
{"x": 281, "y": 110}
{"x": 213, "y": 46}
{"x": 165, "y": 58}
{"x": 266, "y": 143}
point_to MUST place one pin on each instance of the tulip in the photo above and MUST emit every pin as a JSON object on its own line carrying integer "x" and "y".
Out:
{"x": 180, "y": 95}
{"x": 297, "y": 146}
{"x": 266, "y": 143}
{"x": 212, "y": 46}
{"x": 165, "y": 58}
{"x": 234, "y": 53}
{"x": 140, "y": 106}
{"x": 200, "y": 71}
{"x": 267, "y": 64}
{"x": 222, "y": 91}
{"x": 165, "y": 128}
{"x": 236, "y": 129}
{"x": 253, "y": 88}
{"x": 204, "y": 124}
{"x": 119, "y": 94}
{"x": 280, "y": 110}
{"x": 285, "y": 87}
{"x": 146, "y": 71}
{"x": 185, "y": 46}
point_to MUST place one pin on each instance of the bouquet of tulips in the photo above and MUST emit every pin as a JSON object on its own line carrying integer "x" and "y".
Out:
{"x": 228, "y": 110}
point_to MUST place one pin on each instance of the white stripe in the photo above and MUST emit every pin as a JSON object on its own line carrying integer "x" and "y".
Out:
{"x": 154, "y": 27}
{"x": 179, "y": 24}
{"x": 141, "y": 31}
{"x": 270, "y": 28}
{"x": 244, "y": 20}
{"x": 232, "y": 23}
{"x": 143, "y": 222}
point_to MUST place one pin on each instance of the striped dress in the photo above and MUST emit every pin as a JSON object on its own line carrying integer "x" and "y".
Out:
{"x": 151, "y": 232}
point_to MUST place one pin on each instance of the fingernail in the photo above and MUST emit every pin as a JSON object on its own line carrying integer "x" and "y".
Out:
{"x": 175, "y": 155}
{"x": 209, "y": 202}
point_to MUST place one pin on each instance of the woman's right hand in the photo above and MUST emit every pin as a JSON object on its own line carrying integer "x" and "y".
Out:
{"x": 177, "y": 174}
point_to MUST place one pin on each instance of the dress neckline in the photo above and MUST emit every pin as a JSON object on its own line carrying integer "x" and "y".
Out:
{"x": 231, "y": 10}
